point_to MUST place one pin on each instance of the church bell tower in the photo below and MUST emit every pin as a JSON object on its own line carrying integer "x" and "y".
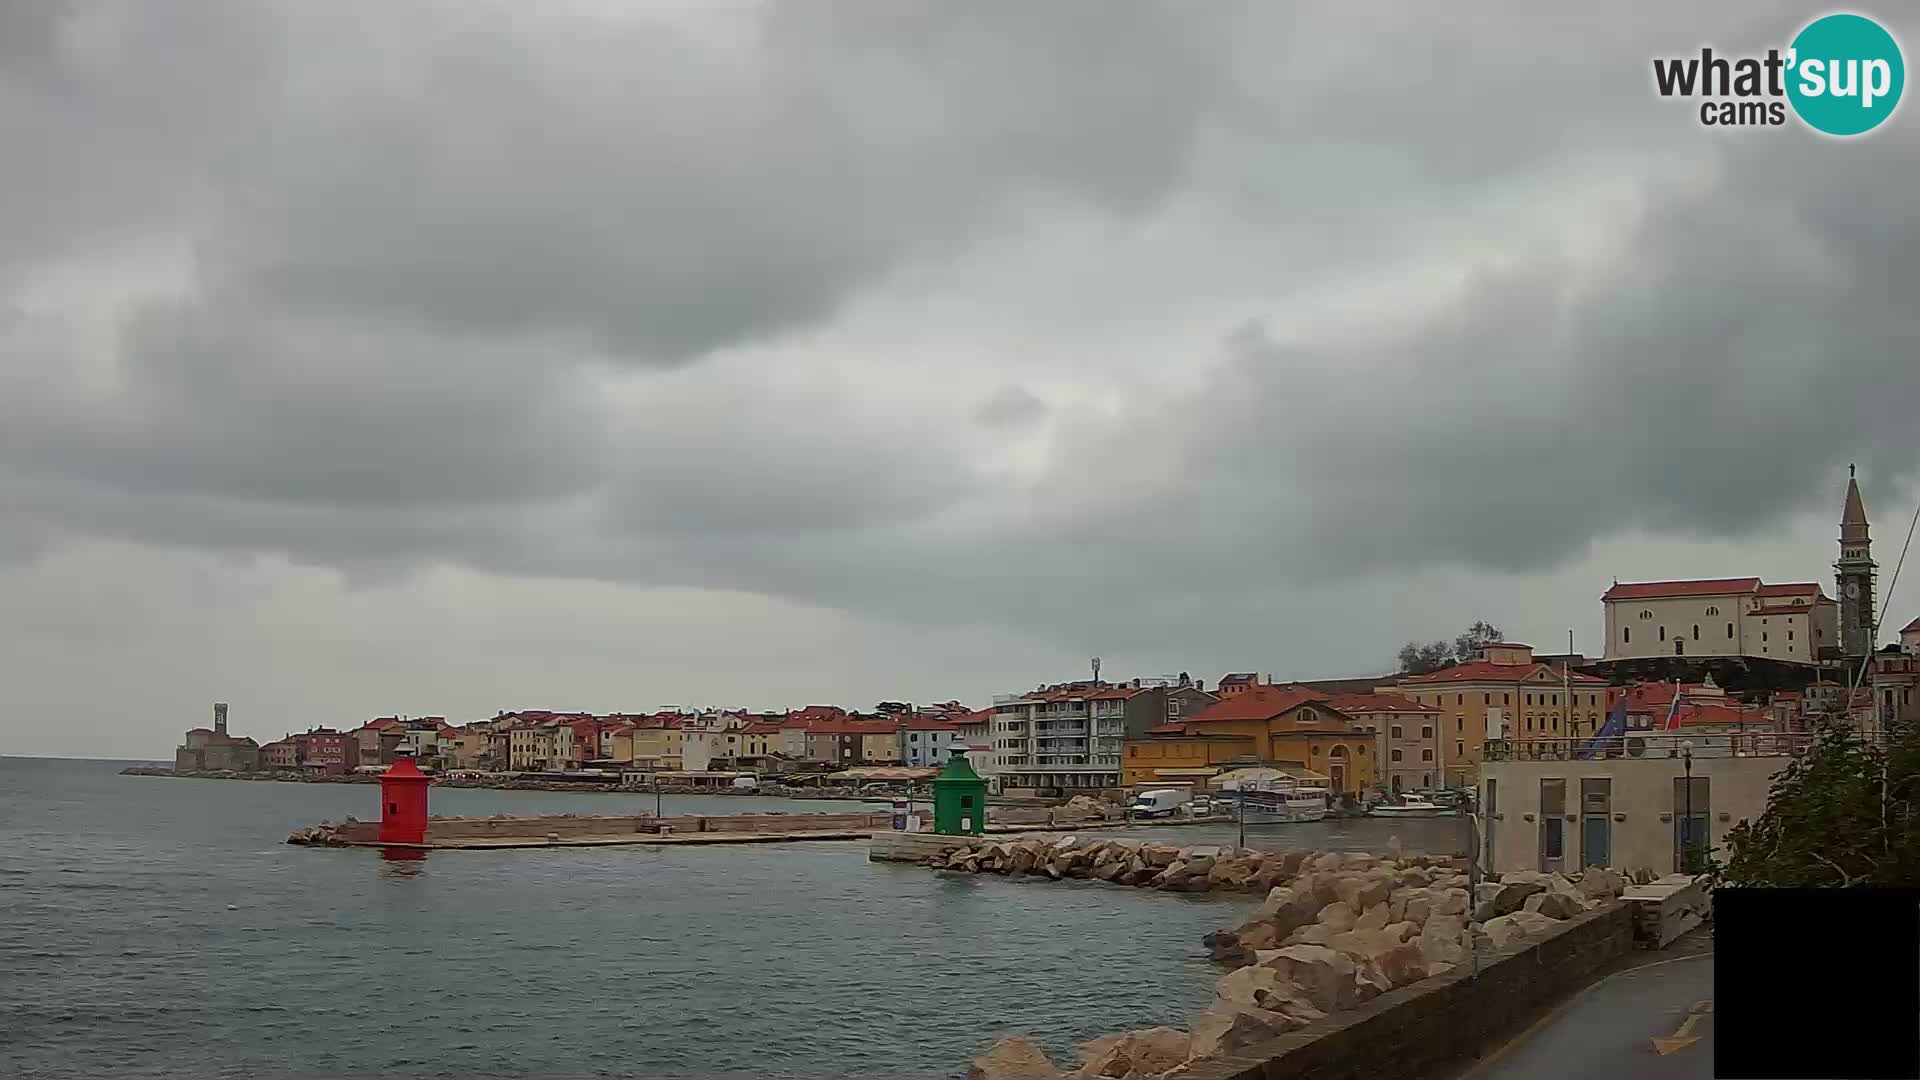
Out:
{"x": 1854, "y": 574}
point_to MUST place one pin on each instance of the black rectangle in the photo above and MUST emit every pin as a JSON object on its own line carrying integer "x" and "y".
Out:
{"x": 1812, "y": 983}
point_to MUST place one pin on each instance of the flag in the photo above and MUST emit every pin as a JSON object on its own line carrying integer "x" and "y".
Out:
{"x": 1614, "y": 728}
{"x": 1673, "y": 710}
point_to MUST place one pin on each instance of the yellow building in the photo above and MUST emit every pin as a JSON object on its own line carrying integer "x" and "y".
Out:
{"x": 1281, "y": 725}
{"x": 655, "y": 747}
{"x": 1180, "y": 757}
{"x": 1505, "y": 694}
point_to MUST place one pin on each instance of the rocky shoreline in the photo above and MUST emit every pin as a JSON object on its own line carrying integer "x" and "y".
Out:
{"x": 1336, "y": 930}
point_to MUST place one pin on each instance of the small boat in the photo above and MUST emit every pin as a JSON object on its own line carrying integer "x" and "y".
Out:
{"x": 1411, "y": 807}
{"x": 1282, "y": 805}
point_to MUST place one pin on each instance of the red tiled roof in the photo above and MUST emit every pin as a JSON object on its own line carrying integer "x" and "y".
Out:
{"x": 1257, "y": 703}
{"x": 1654, "y": 590}
{"x": 1793, "y": 588}
{"x": 1690, "y": 714}
{"x": 928, "y": 723}
{"x": 1377, "y": 703}
{"x": 1168, "y": 729}
{"x": 761, "y": 727}
{"x": 816, "y": 712}
{"x": 1507, "y": 645}
{"x": 1488, "y": 671}
{"x": 978, "y": 716}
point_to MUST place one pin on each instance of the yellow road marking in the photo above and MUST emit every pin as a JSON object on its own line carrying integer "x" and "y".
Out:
{"x": 1684, "y": 1036}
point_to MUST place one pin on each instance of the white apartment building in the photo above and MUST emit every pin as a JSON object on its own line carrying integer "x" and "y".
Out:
{"x": 1720, "y": 617}
{"x": 1059, "y": 739}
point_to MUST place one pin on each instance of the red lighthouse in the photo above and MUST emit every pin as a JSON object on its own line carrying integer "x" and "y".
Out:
{"x": 403, "y": 803}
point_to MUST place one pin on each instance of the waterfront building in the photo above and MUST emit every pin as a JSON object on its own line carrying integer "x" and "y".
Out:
{"x": 280, "y": 755}
{"x": 1285, "y": 726}
{"x": 1896, "y": 683}
{"x": 321, "y": 750}
{"x": 1406, "y": 737}
{"x": 1504, "y": 693}
{"x": 215, "y": 748}
{"x": 925, "y": 740}
{"x": 374, "y": 742}
{"x": 1170, "y": 755}
{"x": 1636, "y": 802}
{"x": 1071, "y": 736}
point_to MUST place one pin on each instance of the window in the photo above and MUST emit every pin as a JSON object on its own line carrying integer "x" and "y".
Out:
{"x": 1426, "y": 732}
{"x": 1459, "y": 724}
{"x": 1729, "y": 631}
{"x": 1426, "y": 779}
{"x": 1506, "y": 699}
{"x": 1133, "y": 751}
{"x": 1696, "y": 631}
{"x": 1556, "y": 699}
{"x": 1529, "y": 699}
{"x": 1763, "y": 635}
{"x": 1626, "y": 633}
{"x": 1789, "y": 635}
{"x": 1645, "y": 614}
{"x": 1396, "y": 731}
{"x": 1556, "y": 723}
{"x": 1713, "y": 610}
{"x": 1426, "y": 755}
{"x": 1396, "y": 755}
{"x": 1663, "y": 633}
{"x": 1486, "y": 699}
{"x": 1459, "y": 750}
{"x": 1459, "y": 699}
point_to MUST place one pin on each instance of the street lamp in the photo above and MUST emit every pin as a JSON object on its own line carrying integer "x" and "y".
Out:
{"x": 1686, "y": 828}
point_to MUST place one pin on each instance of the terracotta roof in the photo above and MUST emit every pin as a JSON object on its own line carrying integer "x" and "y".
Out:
{"x": 1238, "y": 677}
{"x": 1795, "y": 588}
{"x": 978, "y": 716}
{"x": 1376, "y": 703}
{"x": 1911, "y": 627}
{"x": 816, "y": 712}
{"x": 1690, "y": 714}
{"x": 1654, "y": 590}
{"x": 1488, "y": 671}
{"x": 1168, "y": 729}
{"x": 761, "y": 728}
{"x": 1507, "y": 645}
{"x": 927, "y": 723}
{"x": 1257, "y": 703}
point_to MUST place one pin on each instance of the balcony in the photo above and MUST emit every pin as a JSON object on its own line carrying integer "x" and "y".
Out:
{"x": 1664, "y": 744}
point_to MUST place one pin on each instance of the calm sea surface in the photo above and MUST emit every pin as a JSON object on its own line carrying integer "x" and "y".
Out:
{"x": 153, "y": 927}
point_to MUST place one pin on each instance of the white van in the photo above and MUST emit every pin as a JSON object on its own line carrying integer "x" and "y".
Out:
{"x": 1160, "y": 802}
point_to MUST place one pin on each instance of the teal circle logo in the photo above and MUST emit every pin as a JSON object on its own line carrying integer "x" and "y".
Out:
{"x": 1846, "y": 75}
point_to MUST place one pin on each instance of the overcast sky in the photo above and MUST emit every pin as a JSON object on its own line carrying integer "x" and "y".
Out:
{"x": 362, "y": 357}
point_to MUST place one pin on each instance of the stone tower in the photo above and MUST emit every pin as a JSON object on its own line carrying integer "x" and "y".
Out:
{"x": 1854, "y": 574}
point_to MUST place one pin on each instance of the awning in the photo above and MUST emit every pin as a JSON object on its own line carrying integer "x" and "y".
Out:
{"x": 1187, "y": 770}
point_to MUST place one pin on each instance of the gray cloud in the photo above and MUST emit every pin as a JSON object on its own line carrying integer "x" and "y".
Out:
{"x": 565, "y": 294}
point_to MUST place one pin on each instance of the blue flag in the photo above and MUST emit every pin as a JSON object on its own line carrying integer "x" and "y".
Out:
{"x": 1614, "y": 728}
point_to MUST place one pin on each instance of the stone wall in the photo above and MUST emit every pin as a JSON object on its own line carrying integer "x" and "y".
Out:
{"x": 1420, "y": 1029}
{"x": 466, "y": 828}
{"x": 917, "y": 847}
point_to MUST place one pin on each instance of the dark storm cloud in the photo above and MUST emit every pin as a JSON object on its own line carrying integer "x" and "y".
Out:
{"x": 409, "y": 277}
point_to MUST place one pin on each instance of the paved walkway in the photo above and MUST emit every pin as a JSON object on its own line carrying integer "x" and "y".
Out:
{"x": 1652, "y": 1022}
{"x": 491, "y": 843}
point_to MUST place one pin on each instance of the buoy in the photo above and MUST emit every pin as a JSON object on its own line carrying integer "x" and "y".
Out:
{"x": 233, "y": 907}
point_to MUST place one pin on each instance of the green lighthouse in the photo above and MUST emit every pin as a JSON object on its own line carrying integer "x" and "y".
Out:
{"x": 959, "y": 797}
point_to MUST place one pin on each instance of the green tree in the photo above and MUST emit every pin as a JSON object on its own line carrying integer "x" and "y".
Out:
{"x": 1844, "y": 813}
{"x": 1418, "y": 659}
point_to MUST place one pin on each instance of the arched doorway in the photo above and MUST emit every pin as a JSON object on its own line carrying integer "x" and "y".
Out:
{"x": 1337, "y": 768}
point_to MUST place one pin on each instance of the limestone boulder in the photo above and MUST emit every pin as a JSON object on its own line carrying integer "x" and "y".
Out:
{"x": 1159, "y": 855}
{"x": 1501, "y": 930}
{"x": 1534, "y": 924}
{"x": 1226, "y": 1029}
{"x": 1339, "y": 916}
{"x": 1173, "y": 876}
{"x": 1013, "y": 1058}
{"x": 1374, "y": 918}
{"x": 1556, "y": 905}
{"x": 1415, "y": 906}
{"x": 1148, "y": 1052}
{"x": 1020, "y": 860}
{"x": 1231, "y": 874}
{"x": 1403, "y": 964}
{"x": 1602, "y": 884}
{"x": 1449, "y": 901}
{"x": 1326, "y": 861}
{"x": 1327, "y": 976}
{"x": 1443, "y": 941}
{"x": 1510, "y": 895}
{"x": 1316, "y": 934}
{"x": 1413, "y": 877}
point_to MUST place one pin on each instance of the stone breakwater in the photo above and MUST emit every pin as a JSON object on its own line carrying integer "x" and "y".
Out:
{"x": 1336, "y": 930}
{"x": 520, "y": 783}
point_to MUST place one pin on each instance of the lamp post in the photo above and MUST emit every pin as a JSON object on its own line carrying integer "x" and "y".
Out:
{"x": 1686, "y": 828}
{"x": 1240, "y": 811}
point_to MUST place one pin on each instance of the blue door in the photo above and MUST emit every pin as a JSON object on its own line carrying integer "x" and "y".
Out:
{"x": 1596, "y": 841}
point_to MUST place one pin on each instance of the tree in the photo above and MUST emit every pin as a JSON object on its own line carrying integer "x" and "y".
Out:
{"x": 1845, "y": 813}
{"x": 1418, "y": 659}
